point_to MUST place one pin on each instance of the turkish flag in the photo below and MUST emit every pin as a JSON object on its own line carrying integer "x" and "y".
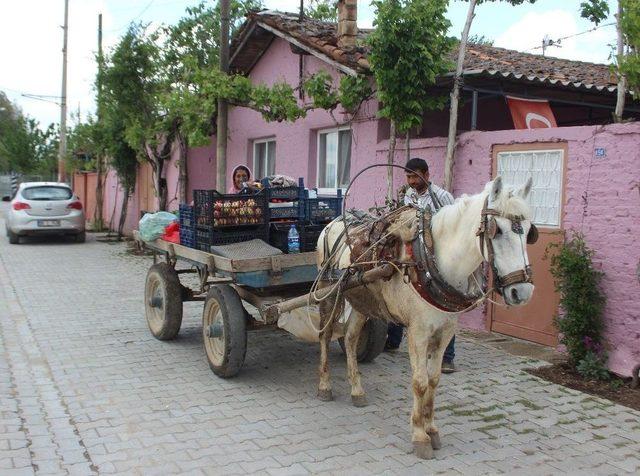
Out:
{"x": 531, "y": 113}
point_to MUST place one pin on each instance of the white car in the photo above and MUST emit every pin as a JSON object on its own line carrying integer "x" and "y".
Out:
{"x": 45, "y": 208}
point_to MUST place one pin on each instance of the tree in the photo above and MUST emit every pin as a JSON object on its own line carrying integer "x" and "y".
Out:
{"x": 190, "y": 48}
{"x": 594, "y": 10}
{"x": 324, "y": 10}
{"x": 131, "y": 78}
{"x": 25, "y": 148}
{"x": 628, "y": 26}
{"x": 409, "y": 48}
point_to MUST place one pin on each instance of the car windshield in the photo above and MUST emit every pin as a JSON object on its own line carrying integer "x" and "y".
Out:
{"x": 47, "y": 193}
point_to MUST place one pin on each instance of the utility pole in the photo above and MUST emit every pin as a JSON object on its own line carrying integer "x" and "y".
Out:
{"x": 97, "y": 217}
{"x": 62, "y": 175}
{"x": 221, "y": 152}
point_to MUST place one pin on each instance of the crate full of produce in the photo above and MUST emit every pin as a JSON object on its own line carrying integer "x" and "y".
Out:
{"x": 224, "y": 210}
{"x": 285, "y": 203}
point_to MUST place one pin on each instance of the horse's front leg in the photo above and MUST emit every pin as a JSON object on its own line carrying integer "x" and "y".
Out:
{"x": 435, "y": 351}
{"x": 328, "y": 311}
{"x": 417, "y": 342}
{"x": 354, "y": 328}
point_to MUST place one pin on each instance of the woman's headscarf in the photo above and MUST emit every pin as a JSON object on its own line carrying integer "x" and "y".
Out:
{"x": 232, "y": 187}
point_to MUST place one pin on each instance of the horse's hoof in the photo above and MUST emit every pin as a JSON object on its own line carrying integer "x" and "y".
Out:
{"x": 359, "y": 400}
{"x": 435, "y": 440}
{"x": 325, "y": 395}
{"x": 423, "y": 449}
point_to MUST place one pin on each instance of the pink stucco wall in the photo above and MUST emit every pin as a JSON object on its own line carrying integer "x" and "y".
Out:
{"x": 602, "y": 200}
{"x": 610, "y": 216}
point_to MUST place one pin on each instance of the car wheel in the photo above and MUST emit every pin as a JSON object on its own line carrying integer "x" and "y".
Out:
{"x": 14, "y": 238}
{"x": 81, "y": 237}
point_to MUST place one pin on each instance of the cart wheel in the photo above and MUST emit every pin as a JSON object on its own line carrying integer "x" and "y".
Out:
{"x": 224, "y": 330}
{"x": 371, "y": 342}
{"x": 163, "y": 301}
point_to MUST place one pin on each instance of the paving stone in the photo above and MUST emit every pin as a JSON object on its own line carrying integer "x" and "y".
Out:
{"x": 100, "y": 395}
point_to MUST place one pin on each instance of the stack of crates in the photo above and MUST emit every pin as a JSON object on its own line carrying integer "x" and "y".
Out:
{"x": 313, "y": 216}
{"x": 187, "y": 226}
{"x": 222, "y": 219}
{"x": 286, "y": 204}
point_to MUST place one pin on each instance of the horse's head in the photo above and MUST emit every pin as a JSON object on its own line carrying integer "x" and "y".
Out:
{"x": 505, "y": 230}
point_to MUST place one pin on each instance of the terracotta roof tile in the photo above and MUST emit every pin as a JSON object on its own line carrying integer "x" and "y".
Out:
{"x": 321, "y": 36}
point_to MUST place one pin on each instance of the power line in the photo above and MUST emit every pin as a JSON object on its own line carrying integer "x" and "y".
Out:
{"x": 549, "y": 42}
{"x": 133, "y": 19}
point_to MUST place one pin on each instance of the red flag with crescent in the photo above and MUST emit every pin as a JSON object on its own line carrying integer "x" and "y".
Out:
{"x": 531, "y": 113}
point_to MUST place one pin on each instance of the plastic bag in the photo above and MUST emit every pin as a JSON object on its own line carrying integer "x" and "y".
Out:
{"x": 172, "y": 233}
{"x": 152, "y": 225}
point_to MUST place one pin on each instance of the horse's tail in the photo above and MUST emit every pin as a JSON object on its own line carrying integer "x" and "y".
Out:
{"x": 329, "y": 244}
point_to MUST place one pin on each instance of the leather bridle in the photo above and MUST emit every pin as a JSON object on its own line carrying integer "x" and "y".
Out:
{"x": 487, "y": 232}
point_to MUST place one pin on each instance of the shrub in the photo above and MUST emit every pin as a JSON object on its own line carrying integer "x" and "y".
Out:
{"x": 580, "y": 324}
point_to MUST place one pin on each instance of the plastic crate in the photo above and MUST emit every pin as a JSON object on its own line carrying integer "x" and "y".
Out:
{"x": 230, "y": 210}
{"x": 291, "y": 194}
{"x": 323, "y": 209}
{"x": 208, "y": 236}
{"x": 187, "y": 226}
{"x": 295, "y": 212}
{"x": 279, "y": 236}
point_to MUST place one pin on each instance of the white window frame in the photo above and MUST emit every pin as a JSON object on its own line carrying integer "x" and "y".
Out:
{"x": 563, "y": 158}
{"x": 257, "y": 142}
{"x": 329, "y": 191}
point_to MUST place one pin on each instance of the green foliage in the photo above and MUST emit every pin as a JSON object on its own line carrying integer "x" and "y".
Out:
{"x": 594, "y": 10}
{"x": 353, "y": 91}
{"x": 190, "y": 51}
{"x": 629, "y": 64}
{"x": 581, "y": 325}
{"x": 409, "y": 50}
{"x": 319, "y": 88}
{"x": 325, "y": 10}
{"x": 27, "y": 149}
{"x": 479, "y": 40}
{"x": 84, "y": 145}
{"x": 593, "y": 366}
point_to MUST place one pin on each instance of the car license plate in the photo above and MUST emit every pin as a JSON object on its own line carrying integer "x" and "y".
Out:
{"x": 46, "y": 223}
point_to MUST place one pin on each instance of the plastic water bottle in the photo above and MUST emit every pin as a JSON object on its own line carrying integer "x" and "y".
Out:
{"x": 293, "y": 240}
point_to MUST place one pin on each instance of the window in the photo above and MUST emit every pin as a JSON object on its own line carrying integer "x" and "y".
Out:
{"x": 264, "y": 158}
{"x": 334, "y": 158}
{"x": 47, "y": 193}
{"x": 546, "y": 169}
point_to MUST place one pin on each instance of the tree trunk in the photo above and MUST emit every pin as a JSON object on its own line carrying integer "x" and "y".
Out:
{"x": 392, "y": 151}
{"x": 183, "y": 178}
{"x": 98, "y": 221}
{"x": 408, "y": 145}
{"x": 455, "y": 96}
{"x": 123, "y": 212}
{"x": 622, "y": 80}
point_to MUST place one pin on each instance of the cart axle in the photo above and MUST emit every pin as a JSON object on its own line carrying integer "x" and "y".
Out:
{"x": 214, "y": 331}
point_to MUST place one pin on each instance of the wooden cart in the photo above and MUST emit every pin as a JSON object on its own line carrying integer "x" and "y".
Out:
{"x": 224, "y": 284}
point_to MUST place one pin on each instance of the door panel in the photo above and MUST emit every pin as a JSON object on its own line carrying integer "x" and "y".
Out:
{"x": 545, "y": 163}
{"x": 534, "y": 321}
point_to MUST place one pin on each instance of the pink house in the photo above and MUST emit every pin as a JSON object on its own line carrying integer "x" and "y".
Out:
{"x": 585, "y": 171}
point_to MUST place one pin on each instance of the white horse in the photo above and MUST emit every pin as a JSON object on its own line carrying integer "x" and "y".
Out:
{"x": 494, "y": 224}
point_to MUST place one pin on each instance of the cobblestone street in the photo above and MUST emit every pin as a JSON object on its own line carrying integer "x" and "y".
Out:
{"x": 85, "y": 388}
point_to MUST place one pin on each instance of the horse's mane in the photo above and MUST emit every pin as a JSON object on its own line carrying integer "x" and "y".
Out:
{"x": 509, "y": 203}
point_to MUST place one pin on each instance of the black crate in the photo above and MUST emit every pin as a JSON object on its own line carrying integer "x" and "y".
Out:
{"x": 279, "y": 236}
{"x": 295, "y": 212}
{"x": 208, "y": 236}
{"x": 187, "y": 226}
{"x": 323, "y": 209}
{"x": 291, "y": 194}
{"x": 230, "y": 210}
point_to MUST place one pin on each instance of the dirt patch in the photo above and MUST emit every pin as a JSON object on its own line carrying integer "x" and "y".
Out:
{"x": 616, "y": 390}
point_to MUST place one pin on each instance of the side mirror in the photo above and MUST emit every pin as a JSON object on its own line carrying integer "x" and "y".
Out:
{"x": 6, "y": 198}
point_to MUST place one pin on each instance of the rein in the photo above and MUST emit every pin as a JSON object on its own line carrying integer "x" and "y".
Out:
{"x": 487, "y": 232}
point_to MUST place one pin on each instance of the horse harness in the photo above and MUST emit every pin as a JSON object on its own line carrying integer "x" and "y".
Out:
{"x": 368, "y": 249}
{"x": 487, "y": 232}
